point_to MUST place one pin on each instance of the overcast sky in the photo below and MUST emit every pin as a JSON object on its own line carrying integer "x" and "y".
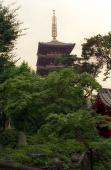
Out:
{"x": 76, "y": 19}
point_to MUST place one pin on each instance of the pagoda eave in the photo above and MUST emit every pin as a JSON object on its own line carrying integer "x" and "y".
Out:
{"x": 44, "y": 48}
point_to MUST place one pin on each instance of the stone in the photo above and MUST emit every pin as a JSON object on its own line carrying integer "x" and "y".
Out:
{"x": 58, "y": 163}
{"x": 37, "y": 155}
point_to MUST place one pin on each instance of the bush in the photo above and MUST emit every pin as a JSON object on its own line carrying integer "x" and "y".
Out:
{"x": 36, "y": 139}
{"x": 99, "y": 167}
{"x": 8, "y": 138}
{"x": 53, "y": 148}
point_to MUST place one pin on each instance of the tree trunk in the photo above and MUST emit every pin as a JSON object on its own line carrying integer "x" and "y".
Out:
{"x": 22, "y": 139}
{"x": 91, "y": 158}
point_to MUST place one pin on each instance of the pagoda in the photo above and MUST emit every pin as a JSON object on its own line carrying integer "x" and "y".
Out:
{"x": 47, "y": 52}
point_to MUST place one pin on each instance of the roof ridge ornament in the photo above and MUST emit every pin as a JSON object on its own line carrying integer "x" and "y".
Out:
{"x": 54, "y": 26}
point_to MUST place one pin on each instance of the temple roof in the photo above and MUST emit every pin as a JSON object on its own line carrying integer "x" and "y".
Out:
{"x": 43, "y": 47}
{"x": 105, "y": 96}
{"x": 57, "y": 43}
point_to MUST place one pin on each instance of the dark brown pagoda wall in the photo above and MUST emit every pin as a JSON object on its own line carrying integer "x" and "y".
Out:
{"x": 46, "y": 64}
{"x": 43, "y": 61}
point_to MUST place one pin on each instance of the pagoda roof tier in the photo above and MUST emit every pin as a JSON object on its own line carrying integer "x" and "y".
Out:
{"x": 44, "y": 48}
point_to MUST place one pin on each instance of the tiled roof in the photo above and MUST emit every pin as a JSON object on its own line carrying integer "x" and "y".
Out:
{"x": 105, "y": 96}
{"x": 56, "y": 43}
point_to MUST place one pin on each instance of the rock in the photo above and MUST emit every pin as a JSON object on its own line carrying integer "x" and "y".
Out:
{"x": 37, "y": 155}
{"x": 75, "y": 157}
{"x": 58, "y": 164}
{"x": 22, "y": 139}
{"x": 76, "y": 161}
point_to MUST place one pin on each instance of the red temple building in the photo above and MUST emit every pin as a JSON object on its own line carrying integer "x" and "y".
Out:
{"x": 47, "y": 52}
{"x": 103, "y": 106}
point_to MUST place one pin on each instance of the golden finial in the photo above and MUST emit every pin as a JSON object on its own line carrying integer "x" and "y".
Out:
{"x": 54, "y": 26}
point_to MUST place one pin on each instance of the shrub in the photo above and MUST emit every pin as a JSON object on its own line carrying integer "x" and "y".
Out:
{"x": 8, "y": 138}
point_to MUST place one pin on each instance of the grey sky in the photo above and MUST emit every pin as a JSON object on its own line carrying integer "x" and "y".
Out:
{"x": 77, "y": 19}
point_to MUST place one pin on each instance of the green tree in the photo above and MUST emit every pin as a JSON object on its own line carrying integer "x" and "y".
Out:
{"x": 18, "y": 92}
{"x": 27, "y": 95}
{"x": 82, "y": 127}
{"x": 66, "y": 90}
{"x": 9, "y": 32}
{"x": 6, "y": 67}
{"x": 9, "y": 28}
{"x": 66, "y": 60}
{"x": 96, "y": 53}
{"x": 17, "y": 89}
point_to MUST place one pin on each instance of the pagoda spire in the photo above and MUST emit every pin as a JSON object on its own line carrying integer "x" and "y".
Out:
{"x": 54, "y": 26}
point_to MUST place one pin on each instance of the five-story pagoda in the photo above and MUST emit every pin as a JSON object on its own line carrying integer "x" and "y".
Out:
{"x": 47, "y": 52}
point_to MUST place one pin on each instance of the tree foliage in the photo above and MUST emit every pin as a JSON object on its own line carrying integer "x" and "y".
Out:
{"x": 66, "y": 60}
{"x": 16, "y": 93}
{"x": 66, "y": 90}
{"x": 79, "y": 125}
{"x": 9, "y": 32}
{"x": 30, "y": 99}
{"x": 82, "y": 127}
{"x": 96, "y": 53}
{"x": 9, "y": 28}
